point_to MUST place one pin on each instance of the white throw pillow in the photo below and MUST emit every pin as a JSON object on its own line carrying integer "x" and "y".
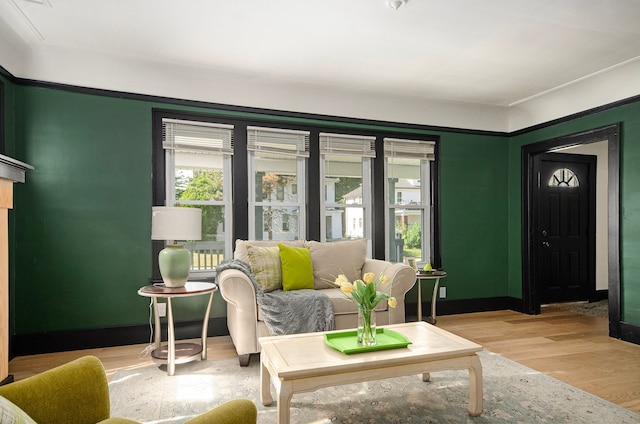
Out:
{"x": 331, "y": 259}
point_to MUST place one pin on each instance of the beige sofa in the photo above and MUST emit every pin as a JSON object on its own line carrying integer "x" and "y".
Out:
{"x": 244, "y": 318}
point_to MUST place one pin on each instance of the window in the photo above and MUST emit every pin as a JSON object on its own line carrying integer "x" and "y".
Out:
{"x": 408, "y": 199}
{"x": 277, "y": 196}
{"x": 345, "y": 175}
{"x": 564, "y": 178}
{"x": 276, "y": 169}
{"x": 198, "y": 174}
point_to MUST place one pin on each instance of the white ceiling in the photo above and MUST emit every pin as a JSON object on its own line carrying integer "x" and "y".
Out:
{"x": 487, "y": 52}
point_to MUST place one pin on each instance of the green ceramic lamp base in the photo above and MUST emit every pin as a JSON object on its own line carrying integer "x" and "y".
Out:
{"x": 175, "y": 264}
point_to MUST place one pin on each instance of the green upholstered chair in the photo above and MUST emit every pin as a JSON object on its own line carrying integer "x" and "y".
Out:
{"x": 78, "y": 392}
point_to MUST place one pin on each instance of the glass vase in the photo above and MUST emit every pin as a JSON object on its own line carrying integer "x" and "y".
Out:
{"x": 366, "y": 327}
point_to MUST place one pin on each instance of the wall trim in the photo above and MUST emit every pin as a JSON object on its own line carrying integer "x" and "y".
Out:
{"x": 2, "y": 126}
{"x": 582, "y": 114}
{"x": 8, "y": 75}
{"x": 65, "y": 340}
{"x": 245, "y": 109}
{"x": 600, "y": 295}
{"x": 463, "y": 306}
{"x": 630, "y": 333}
{"x": 530, "y": 292}
{"x": 91, "y": 338}
{"x": 68, "y": 340}
{"x": 312, "y": 117}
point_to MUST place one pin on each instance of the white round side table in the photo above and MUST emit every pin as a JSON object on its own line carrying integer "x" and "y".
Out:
{"x": 172, "y": 353}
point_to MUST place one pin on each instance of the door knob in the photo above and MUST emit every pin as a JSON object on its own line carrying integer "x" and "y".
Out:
{"x": 544, "y": 233}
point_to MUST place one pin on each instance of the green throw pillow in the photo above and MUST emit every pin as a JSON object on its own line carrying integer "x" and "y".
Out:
{"x": 297, "y": 271}
{"x": 12, "y": 414}
{"x": 265, "y": 267}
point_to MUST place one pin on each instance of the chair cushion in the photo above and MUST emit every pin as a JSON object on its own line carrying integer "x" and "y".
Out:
{"x": 12, "y": 414}
{"x": 265, "y": 267}
{"x": 339, "y": 257}
{"x": 297, "y": 271}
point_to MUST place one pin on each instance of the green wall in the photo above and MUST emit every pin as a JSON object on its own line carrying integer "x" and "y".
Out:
{"x": 8, "y": 112}
{"x": 473, "y": 205}
{"x": 8, "y": 132}
{"x": 82, "y": 237}
{"x": 82, "y": 242}
{"x": 81, "y": 224}
{"x": 629, "y": 117}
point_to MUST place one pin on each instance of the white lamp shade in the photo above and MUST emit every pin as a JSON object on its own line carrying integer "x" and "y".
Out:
{"x": 176, "y": 223}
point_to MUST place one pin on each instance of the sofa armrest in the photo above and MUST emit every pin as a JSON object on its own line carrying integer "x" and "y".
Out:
{"x": 71, "y": 393}
{"x": 401, "y": 276}
{"x": 242, "y": 311}
{"x": 401, "y": 279}
{"x": 236, "y": 288}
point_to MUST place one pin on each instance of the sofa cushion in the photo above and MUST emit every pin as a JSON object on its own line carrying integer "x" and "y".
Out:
{"x": 241, "y": 246}
{"x": 12, "y": 414}
{"x": 297, "y": 272}
{"x": 331, "y": 259}
{"x": 265, "y": 267}
{"x": 341, "y": 304}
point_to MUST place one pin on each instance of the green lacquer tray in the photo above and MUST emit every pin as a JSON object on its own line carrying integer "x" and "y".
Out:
{"x": 346, "y": 341}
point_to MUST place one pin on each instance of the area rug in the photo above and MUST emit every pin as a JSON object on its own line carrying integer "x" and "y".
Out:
{"x": 596, "y": 309}
{"x": 512, "y": 394}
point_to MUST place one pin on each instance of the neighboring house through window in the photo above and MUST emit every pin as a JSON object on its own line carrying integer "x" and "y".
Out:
{"x": 276, "y": 171}
{"x": 345, "y": 175}
{"x": 408, "y": 202}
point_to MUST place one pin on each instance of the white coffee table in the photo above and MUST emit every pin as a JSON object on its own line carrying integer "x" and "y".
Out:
{"x": 304, "y": 363}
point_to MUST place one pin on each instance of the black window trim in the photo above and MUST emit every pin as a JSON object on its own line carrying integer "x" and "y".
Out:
{"x": 240, "y": 195}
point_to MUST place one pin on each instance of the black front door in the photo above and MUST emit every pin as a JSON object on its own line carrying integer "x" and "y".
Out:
{"x": 564, "y": 227}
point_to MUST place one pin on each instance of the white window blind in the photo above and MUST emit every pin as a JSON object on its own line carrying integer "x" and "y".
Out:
{"x": 395, "y": 147}
{"x": 202, "y": 137}
{"x": 281, "y": 141}
{"x": 348, "y": 145}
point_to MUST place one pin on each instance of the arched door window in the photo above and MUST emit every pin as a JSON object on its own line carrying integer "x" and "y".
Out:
{"x": 564, "y": 177}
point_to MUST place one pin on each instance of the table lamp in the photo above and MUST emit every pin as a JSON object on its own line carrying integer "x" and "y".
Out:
{"x": 175, "y": 223}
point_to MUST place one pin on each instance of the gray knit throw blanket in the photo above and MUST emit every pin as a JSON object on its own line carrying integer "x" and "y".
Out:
{"x": 288, "y": 312}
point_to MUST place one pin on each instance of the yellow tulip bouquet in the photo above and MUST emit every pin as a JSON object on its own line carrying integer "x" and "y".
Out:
{"x": 364, "y": 293}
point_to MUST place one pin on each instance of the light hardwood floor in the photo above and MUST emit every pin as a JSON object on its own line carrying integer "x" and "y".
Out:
{"x": 571, "y": 347}
{"x": 574, "y": 348}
